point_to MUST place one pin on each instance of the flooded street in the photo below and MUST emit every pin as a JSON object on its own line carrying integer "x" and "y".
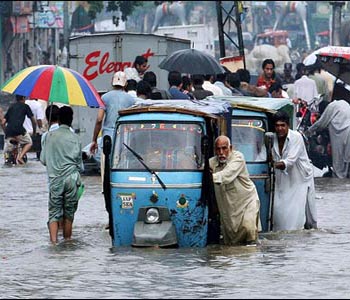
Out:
{"x": 303, "y": 264}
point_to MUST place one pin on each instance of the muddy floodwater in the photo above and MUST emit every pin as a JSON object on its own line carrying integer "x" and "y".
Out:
{"x": 300, "y": 264}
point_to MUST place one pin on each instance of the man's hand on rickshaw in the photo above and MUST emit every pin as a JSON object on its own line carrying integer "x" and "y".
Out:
{"x": 93, "y": 147}
{"x": 279, "y": 165}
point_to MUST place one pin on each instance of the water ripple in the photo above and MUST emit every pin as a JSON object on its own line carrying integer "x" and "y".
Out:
{"x": 296, "y": 264}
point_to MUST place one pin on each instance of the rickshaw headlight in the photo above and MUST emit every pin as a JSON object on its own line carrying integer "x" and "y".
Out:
{"x": 152, "y": 216}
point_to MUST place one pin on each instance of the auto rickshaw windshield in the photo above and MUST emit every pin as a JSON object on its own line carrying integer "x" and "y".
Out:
{"x": 248, "y": 138}
{"x": 162, "y": 146}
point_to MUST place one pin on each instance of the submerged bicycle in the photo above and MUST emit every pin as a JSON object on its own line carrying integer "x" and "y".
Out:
{"x": 12, "y": 153}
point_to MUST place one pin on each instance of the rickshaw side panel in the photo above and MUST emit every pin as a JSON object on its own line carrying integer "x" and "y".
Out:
{"x": 262, "y": 187}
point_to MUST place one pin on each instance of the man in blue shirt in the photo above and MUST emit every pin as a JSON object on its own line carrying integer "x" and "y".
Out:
{"x": 114, "y": 100}
{"x": 175, "y": 83}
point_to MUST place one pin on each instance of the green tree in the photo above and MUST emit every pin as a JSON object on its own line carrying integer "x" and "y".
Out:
{"x": 126, "y": 7}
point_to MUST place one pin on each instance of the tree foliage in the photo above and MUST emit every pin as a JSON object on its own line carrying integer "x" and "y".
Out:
{"x": 126, "y": 7}
{"x": 95, "y": 7}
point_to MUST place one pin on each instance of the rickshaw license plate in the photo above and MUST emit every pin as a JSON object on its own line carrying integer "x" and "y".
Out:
{"x": 127, "y": 201}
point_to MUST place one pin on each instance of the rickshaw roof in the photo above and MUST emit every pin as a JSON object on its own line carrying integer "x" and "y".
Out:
{"x": 205, "y": 108}
{"x": 260, "y": 104}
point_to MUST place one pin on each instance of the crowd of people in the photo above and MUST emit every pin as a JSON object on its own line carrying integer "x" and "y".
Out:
{"x": 236, "y": 195}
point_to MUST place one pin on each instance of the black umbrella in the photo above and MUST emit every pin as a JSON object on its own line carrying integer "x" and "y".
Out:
{"x": 191, "y": 61}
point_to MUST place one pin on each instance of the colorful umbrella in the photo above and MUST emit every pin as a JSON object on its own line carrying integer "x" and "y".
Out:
{"x": 53, "y": 84}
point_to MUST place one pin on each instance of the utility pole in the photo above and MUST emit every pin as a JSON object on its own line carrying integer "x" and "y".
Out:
{"x": 66, "y": 29}
{"x": 231, "y": 16}
{"x": 336, "y": 21}
{"x": 4, "y": 13}
{"x": 220, "y": 29}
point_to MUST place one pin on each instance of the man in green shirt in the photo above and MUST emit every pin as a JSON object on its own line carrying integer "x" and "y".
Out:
{"x": 62, "y": 157}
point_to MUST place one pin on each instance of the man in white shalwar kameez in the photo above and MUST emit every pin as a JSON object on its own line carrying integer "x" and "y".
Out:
{"x": 236, "y": 195}
{"x": 294, "y": 200}
{"x": 336, "y": 117}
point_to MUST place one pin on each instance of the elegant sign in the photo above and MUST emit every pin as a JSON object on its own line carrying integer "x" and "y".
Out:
{"x": 98, "y": 63}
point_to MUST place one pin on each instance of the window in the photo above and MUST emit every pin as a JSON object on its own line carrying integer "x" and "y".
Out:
{"x": 248, "y": 138}
{"x": 162, "y": 146}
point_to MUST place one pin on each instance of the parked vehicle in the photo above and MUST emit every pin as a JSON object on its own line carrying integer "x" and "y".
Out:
{"x": 274, "y": 38}
{"x": 98, "y": 56}
{"x": 293, "y": 40}
{"x": 158, "y": 188}
{"x": 156, "y": 195}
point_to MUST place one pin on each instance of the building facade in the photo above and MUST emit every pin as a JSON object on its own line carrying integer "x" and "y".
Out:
{"x": 31, "y": 33}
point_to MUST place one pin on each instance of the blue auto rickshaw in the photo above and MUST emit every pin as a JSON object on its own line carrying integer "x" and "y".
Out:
{"x": 158, "y": 187}
{"x": 156, "y": 179}
{"x": 251, "y": 134}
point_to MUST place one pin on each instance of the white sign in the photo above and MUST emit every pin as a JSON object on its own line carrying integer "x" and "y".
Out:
{"x": 127, "y": 201}
{"x": 50, "y": 17}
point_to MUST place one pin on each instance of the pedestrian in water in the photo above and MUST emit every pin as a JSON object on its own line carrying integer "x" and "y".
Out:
{"x": 235, "y": 193}
{"x": 52, "y": 115}
{"x": 294, "y": 205}
{"x": 13, "y": 127}
{"x": 62, "y": 157}
{"x": 114, "y": 100}
{"x": 336, "y": 117}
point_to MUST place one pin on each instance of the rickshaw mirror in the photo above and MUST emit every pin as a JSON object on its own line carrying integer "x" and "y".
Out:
{"x": 107, "y": 145}
{"x": 269, "y": 139}
{"x": 205, "y": 144}
{"x": 269, "y": 142}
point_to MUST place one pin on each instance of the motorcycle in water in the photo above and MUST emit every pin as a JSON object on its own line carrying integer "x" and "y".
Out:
{"x": 12, "y": 152}
{"x": 318, "y": 145}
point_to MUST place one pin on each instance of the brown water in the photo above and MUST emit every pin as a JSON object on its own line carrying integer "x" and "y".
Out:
{"x": 301, "y": 264}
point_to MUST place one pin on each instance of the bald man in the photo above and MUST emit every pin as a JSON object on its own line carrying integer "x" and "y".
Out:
{"x": 236, "y": 195}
